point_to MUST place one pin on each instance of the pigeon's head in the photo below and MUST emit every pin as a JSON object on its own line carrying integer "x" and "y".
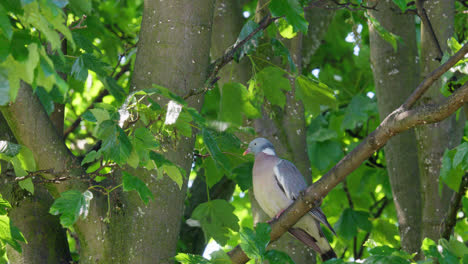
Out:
{"x": 260, "y": 145}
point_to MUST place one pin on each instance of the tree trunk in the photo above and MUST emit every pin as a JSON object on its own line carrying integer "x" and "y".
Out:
{"x": 433, "y": 139}
{"x": 173, "y": 51}
{"x": 396, "y": 75}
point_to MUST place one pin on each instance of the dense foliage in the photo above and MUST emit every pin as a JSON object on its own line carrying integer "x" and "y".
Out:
{"x": 80, "y": 54}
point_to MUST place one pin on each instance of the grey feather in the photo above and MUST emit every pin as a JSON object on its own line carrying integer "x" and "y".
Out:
{"x": 293, "y": 183}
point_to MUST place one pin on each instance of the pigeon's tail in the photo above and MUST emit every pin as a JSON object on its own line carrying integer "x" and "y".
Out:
{"x": 328, "y": 255}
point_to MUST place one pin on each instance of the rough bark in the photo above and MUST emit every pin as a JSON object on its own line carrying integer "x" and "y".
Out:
{"x": 396, "y": 74}
{"x": 435, "y": 138}
{"x": 173, "y": 51}
{"x": 47, "y": 239}
{"x": 33, "y": 128}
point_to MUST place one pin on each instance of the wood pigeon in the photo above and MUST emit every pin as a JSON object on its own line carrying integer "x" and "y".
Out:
{"x": 276, "y": 184}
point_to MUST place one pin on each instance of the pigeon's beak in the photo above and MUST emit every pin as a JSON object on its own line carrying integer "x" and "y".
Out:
{"x": 247, "y": 151}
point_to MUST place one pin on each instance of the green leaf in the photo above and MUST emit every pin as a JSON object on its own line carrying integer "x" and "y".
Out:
{"x": 280, "y": 50}
{"x": 450, "y": 175}
{"x": 83, "y": 42}
{"x": 45, "y": 99}
{"x": 314, "y": 94}
{"x": 94, "y": 64}
{"x": 212, "y": 174}
{"x": 79, "y": 71}
{"x": 174, "y": 173}
{"x": 23, "y": 70}
{"x": 349, "y": 222}
{"x": 250, "y": 45}
{"x": 323, "y": 154}
{"x": 115, "y": 143}
{"x": 322, "y": 134}
{"x": 235, "y": 97}
{"x": 27, "y": 159}
{"x": 4, "y": 48}
{"x": 10, "y": 234}
{"x": 385, "y": 259}
{"x": 220, "y": 257}
{"x": 71, "y": 205}
{"x": 9, "y": 149}
{"x": 279, "y": 257}
{"x": 134, "y": 183}
{"x": 401, "y": 4}
{"x": 213, "y": 148}
{"x": 216, "y": 218}
{"x": 292, "y": 11}
{"x": 4, "y": 87}
{"x": 35, "y": 16}
{"x": 456, "y": 247}
{"x": 465, "y": 205}
{"x": 461, "y": 155}
{"x": 384, "y": 33}
{"x": 272, "y": 81}
{"x": 285, "y": 29}
{"x": 254, "y": 243}
{"x": 114, "y": 88}
{"x": 184, "y": 258}
{"x": 4, "y": 205}
{"x": 90, "y": 157}
{"x": 81, "y": 6}
{"x": 27, "y": 185}
{"x": 242, "y": 175}
{"x": 358, "y": 111}
{"x": 5, "y": 24}
{"x": 166, "y": 93}
{"x": 146, "y": 138}
{"x": 100, "y": 115}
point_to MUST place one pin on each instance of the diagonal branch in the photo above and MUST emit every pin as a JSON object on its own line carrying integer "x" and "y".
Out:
{"x": 427, "y": 82}
{"x": 398, "y": 121}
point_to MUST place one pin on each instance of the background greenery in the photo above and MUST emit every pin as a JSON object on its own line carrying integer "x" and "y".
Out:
{"x": 78, "y": 57}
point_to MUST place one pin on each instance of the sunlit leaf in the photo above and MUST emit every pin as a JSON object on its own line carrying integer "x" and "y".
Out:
{"x": 273, "y": 83}
{"x": 292, "y": 11}
{"x": 71, "y": 205}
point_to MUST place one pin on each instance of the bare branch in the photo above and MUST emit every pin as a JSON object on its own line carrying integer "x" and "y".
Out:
{"x": 228, "y": 57}
{"x": 424, "y": 85}
{"x": 455, "y": 203}
{"x": 423, "y": 15}
{"x": 398, "y": 121}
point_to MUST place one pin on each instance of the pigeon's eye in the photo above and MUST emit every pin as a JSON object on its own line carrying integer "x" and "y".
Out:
{"x": 255, "y": 144}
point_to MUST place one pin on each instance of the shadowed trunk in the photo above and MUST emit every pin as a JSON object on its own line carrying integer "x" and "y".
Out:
{"x": 433, "y": 139}
{"x": 396, "y": 75}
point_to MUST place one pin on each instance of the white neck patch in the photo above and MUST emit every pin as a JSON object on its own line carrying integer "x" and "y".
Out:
{"x": 269, "y": 151}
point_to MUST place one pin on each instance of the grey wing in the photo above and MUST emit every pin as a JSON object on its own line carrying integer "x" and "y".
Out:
{"x": 291, "y": 181}
{"x": 289, "y": 178}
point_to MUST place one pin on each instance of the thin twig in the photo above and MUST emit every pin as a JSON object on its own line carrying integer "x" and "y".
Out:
{"x": 455, "y": 204}
{"x": 376, "y": 215}
{"x": 228, "y": 56}
{"x": 427, "y": 23}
